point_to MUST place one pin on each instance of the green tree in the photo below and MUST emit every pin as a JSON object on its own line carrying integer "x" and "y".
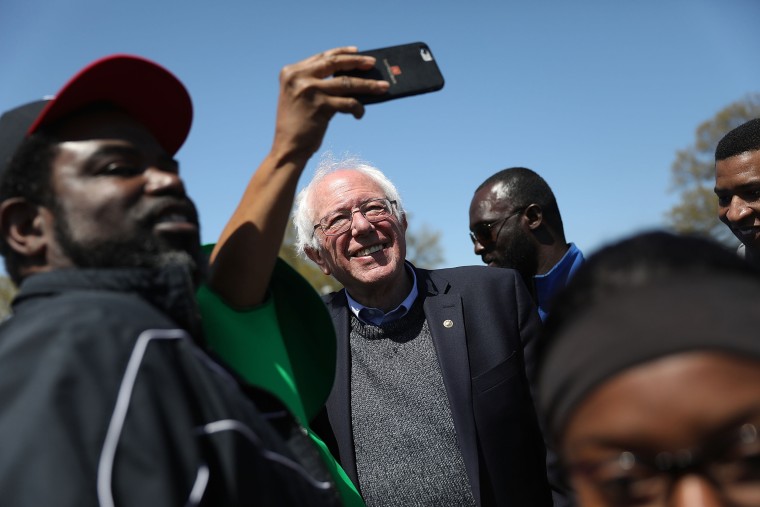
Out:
{"x": 423, "y": 250}
{"x": 693, "y": 173}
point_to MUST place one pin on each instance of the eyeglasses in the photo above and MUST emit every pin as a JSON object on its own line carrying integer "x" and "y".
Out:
{"x": 373, "y": 210}
{"x": 731, "y": 464}
{"x": 482, "y": 232}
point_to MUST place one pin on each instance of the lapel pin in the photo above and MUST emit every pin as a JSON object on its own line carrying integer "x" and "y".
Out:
{"x": 448, "y": 323}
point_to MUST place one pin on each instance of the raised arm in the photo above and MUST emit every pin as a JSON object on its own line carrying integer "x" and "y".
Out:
{"x": 244, "y": 257}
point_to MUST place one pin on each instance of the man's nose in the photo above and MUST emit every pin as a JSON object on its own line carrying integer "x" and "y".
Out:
{"x": 477, "y": 245}
{"x": 695, "y": 491}
{"x": 159, "y": 181}
{"x": 359, "y": 224}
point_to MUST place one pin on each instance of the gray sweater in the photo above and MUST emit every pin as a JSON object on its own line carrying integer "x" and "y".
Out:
{"x": 406, "y": 445}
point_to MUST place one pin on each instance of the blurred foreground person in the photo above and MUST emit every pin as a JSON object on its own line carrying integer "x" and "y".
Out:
{"x": 650, "y": 376}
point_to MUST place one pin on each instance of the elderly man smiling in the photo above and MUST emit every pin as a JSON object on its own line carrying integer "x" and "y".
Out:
{"x": 431, "y": 403}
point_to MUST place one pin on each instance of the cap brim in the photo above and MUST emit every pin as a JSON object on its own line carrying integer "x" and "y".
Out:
{"x": 141, "y": 88}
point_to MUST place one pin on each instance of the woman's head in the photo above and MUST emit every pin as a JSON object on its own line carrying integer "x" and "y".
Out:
{"x": 650, "y": 375}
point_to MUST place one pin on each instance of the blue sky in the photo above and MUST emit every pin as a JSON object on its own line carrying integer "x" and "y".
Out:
{"x": 596, "y": 96}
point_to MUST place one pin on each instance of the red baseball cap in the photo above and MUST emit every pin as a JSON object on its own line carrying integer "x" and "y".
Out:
{"x": 141, "y": 88}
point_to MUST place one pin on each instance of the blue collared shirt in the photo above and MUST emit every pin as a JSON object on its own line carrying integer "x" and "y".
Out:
{"x": 378, "y": 317}
{"x": 556, "y": 278}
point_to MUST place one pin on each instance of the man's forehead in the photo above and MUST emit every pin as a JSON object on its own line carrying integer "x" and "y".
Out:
{"x": 346, "y": 187}
{"x": 747, "y": 158}
{"x": 496, "y": 198}
{"x": 745, "y": 166}
{"x": 500, "y": 191}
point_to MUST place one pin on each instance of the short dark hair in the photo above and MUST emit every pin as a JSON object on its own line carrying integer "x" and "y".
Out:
{"x": 528, "y": 187}
{"x": 745, "y": 137}
{"x": 28, "y": 175}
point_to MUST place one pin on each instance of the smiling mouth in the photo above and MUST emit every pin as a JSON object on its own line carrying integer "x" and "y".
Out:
{"x": 369, "y": 250}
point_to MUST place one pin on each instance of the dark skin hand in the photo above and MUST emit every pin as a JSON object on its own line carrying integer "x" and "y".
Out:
{"x": 244, "y": 257}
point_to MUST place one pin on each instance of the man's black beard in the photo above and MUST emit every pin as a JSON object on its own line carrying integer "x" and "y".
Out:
{"x": 141, "y": 250}
{"x": 519, "y": 253}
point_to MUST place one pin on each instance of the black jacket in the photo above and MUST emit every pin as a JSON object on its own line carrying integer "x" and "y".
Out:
{"x": 106, "y": 400}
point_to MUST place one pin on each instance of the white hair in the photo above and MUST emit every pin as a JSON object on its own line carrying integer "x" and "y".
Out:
{"x": 304, "y": 214}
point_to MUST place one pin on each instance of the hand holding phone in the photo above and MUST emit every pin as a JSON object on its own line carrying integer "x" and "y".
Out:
{"x": 409, "y": 68}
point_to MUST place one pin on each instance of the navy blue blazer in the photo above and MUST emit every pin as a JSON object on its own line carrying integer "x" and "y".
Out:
{"x": 485, "y": 358}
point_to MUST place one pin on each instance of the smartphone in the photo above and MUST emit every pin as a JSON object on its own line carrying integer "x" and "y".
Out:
{"x": 409, "y": 68}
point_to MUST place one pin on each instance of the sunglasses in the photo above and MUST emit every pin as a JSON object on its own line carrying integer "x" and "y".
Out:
{"x": 483, "y": 232}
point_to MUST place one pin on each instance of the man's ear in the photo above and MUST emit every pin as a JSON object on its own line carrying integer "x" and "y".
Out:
{"x": 22, "y": 224}
{"x": 314, "y": 255}
{"x": 534, "y": 215}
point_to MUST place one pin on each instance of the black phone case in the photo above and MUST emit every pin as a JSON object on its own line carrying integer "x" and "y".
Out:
{"x": 410, "y": 69}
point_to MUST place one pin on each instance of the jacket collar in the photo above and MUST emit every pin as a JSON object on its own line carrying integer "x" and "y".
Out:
{"x": 429, "y": 283}
{"x": 432, "y": 283}
{"x": 169, "y": 289}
